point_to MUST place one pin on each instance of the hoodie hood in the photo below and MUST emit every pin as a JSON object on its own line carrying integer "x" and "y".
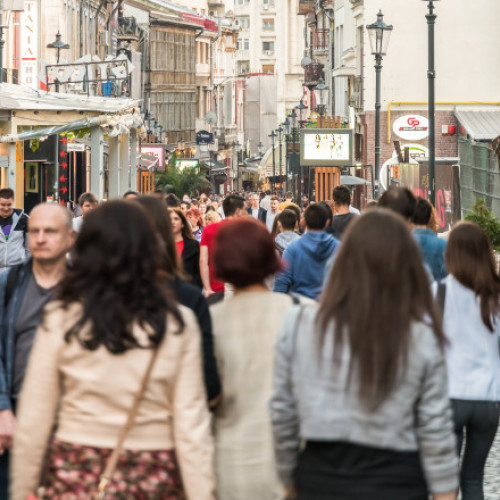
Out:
{"x": 284, "y": 239}
{"x": 318, "y": 246}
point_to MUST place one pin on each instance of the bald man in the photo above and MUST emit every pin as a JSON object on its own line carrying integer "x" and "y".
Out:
{"x": 24, "y": 291}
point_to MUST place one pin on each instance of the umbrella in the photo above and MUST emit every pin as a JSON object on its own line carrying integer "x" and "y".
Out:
{"x": 351, "y": 180}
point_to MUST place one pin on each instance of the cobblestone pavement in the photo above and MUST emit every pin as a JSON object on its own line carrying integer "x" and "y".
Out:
{"x": 492, "y": 472}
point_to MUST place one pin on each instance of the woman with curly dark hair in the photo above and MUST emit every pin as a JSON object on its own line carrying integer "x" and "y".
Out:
{"x": 116, "y": 368}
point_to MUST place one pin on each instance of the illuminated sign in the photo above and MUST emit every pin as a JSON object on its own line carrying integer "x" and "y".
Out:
{"x": 411, "y": 127}
{"x": 326, "y": 147}
{"x": 183, "y": 163}
{"x": 29, "y": 45}
{"x": 158, "y": 151}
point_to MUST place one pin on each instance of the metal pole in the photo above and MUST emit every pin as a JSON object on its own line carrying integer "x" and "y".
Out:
{"x": 378, "y": 149}
{"x": 287, "y": 163}
{"x": 431, "y": 76}
{"x": 301, "y": 181}
{"x": 274, "y": 170}
{"x": 281, "y": 162}
{"x": 2, "y": 43}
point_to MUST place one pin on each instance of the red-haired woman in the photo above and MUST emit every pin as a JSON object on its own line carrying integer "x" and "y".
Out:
{"x": 188, "y": 248}
{"x": 194, "y": 217}
{"x": 245, "y": 327}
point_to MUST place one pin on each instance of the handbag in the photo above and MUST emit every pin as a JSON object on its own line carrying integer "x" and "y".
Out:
{"x": 109, "y": 470}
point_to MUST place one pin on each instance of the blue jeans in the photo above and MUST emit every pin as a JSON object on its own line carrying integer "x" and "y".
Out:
{"x": 478, "y": 421}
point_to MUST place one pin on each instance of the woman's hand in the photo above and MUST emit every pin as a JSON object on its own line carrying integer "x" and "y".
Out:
{"x": 451, "y": 495}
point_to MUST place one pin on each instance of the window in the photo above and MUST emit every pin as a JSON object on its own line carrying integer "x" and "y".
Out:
{"x": 268, "y": 24}
{"x": 243, "y": 21}
{"x": 268, "y": 46}
{"x": 268, "y": 68}
{"x": 243, "y": 44}
{"x": 242, "y": 2}
{"x": 244, "y": 67}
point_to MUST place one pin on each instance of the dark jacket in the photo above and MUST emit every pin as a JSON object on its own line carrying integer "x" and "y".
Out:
{"x": 191, "y": 261}
{"x": 8, "y": 318}
{"x": 190, "y": 296}
{"x": 262, "y": 214}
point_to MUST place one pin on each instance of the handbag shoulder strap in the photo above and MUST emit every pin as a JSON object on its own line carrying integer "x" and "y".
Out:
{"x": 441, "y": 295}
{"x": 113, "y": 459}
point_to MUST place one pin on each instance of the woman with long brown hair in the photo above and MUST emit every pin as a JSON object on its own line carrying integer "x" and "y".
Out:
{"x": 471, "y": 298}
{"x": 361, "y": 378}
{"x": 188, "y": 248}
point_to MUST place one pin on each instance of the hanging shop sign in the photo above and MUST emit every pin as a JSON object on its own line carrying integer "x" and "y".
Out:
{"x": 411, "y": 127}
{"x": 204, "y": 137}
{"x": 75, "y": 147}
{"x": 326, "y": 147}
{"x": 183, "y": 163}
{"x": 157, "y": 151}
{"x": 28, "y": 74}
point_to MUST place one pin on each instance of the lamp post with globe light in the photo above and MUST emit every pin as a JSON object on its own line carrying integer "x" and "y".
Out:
{"x": 379, "y": 34}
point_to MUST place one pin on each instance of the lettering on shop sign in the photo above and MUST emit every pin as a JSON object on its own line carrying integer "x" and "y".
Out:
{"x": 411, "y": 127}
{"x": 63, "y": 170}
{"x": 29, "y": 45}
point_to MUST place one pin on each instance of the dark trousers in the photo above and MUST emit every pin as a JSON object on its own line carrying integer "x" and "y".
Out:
{"x": 4, "y": 466}
{"x": 477, "y": 421}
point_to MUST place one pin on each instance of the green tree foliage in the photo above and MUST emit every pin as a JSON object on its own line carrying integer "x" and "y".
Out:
{"x": 487, "y": 220}
{"x": 172, "y": 180}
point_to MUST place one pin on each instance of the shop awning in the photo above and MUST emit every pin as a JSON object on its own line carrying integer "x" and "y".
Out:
{"x": 480, "y": 124}
{"x": 147, "y": 161}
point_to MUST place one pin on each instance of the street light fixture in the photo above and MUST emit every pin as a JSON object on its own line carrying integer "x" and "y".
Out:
{"x": 272, "y": 135}
{"x": 181, "y": 146}
{"x": 379, "y": 34}
{"x": 302, "y": 108}
{"x": 58, "y": 45}
{"x": 294, "y": 124}
{"x": 321, "y": 96}
{"x": 431, "y": 77}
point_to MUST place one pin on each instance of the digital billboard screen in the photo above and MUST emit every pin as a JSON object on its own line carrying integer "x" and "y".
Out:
{"x": 326, "y": 147}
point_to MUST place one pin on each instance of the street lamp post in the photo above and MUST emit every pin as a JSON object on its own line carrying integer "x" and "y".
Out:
{"x": 294, "y": 128}
{"x": 181, "y": 146}
{"x": 2, "y": 43}
{"x": 379, "y": 34}
{"x": 280, "y": 142}
{"x": 237, "y": 149}
{"x": 58, "y": 45}
{"x": 272, "y": 135}
{"x": 287, "y": 128}
{"x": 431, "y": 76}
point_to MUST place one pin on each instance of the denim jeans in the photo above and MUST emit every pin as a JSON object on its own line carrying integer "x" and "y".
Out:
{"x": 477, "y": 421}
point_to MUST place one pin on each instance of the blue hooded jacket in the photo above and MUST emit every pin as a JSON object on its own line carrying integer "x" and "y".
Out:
{"x": 305, "y": 261}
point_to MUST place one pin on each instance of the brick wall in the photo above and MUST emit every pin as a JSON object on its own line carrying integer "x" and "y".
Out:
{"x": 446, "y": 146}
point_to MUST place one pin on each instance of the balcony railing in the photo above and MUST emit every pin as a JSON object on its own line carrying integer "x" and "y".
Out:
{"x": 321, "y": 39}
{"x": 313, "y": 72}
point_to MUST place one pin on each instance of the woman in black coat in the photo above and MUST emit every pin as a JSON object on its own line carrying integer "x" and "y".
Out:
{"x": 188, "y": 248}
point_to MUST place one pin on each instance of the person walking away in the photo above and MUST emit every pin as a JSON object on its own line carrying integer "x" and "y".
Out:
{"x": 234, "y": 206}
{"x": 245, "y": 328}
{"x": 472, "y": 325}
{"x": 288, "y": 201}
{"x": 343, "y": 216}
{"x": 24, "y": 291}
{"x": 272, "y": 213}
{"x": 13, "y": 232}
{"x": 255, "y": 210}
{"x": 187, "y": 294}
{"x": 193, "y": 215}
{"x": 432, "y": 248}
{"x": 87, "y": 203}
{"x": 265, "y": 202}
{"x": 360, "y": 410}
{"x": 114, "y": 329}
{"x": 306, "y": 258}
{"x": 287, "y": 225}
{"x": 188, "y": 248}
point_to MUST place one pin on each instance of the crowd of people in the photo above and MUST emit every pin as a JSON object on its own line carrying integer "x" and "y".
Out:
{"x": 244, "y": 348}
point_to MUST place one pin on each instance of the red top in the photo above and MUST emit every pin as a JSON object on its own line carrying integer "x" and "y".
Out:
{"x": 208, "y": 239}
{"x": 180, "y": 247}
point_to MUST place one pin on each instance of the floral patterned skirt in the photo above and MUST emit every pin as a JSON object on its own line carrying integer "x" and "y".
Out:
{"x": 72, "y": 472}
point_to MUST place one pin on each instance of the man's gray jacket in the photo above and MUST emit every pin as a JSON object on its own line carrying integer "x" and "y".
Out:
{"x": 14, "y": 249}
